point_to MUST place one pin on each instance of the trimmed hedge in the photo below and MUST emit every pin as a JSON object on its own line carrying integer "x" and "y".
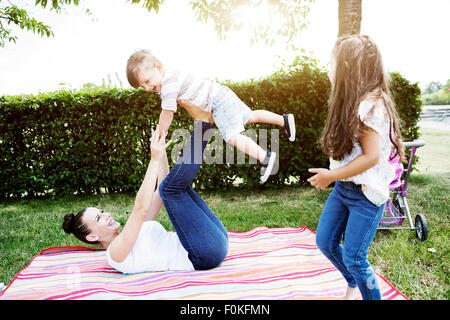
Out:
{"x": 98, "y": 141}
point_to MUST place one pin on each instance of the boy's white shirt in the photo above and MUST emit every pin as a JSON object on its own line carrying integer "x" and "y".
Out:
{"x": 179, "y": 85}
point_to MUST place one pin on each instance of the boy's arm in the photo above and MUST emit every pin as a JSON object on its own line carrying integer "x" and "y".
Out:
{"x": 165, "y": 120}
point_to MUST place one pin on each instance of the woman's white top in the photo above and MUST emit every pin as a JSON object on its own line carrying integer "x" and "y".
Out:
{"x": 375, "y": 180}
{"x": 155, "y": 249}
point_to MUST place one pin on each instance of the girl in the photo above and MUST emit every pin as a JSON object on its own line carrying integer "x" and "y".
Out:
{"x": 199, "y": 242}
{"x": 362, "y": 127}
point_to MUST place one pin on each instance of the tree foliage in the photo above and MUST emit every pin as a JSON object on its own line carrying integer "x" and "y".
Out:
{"x": 274, "y": 19}
{"x": 432, "y": 87}
{"x": 436, "y": 93}
{"x": 265, "y": 20}
{"x": 13, "y": 13}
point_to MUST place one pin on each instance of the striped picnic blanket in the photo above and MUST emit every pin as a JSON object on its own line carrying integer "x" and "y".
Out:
{"x": 263, "y": 263}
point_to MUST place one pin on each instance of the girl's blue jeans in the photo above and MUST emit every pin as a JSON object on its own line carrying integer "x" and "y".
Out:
{"x": 348, "y": 211}
{"x": 200, "y": 232}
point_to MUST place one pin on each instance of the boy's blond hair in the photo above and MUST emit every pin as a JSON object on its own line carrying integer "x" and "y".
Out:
{"x": 136, "y": 62}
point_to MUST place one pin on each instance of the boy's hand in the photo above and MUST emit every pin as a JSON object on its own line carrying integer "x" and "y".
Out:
{"x": 321, "y": 179}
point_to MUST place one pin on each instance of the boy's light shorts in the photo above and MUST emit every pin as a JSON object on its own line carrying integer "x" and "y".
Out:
{"x": 230, "y": 114}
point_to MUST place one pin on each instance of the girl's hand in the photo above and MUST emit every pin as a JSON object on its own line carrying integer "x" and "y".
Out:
{"x": 158, "y": 145}
{"x": 321, "y": 179}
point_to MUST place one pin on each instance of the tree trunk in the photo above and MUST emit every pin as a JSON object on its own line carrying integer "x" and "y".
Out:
{"x": 349, "y": 17}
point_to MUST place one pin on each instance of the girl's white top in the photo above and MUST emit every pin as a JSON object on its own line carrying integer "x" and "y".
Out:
{"x": 156, "y": 249}
{"x": 375, "y": 180}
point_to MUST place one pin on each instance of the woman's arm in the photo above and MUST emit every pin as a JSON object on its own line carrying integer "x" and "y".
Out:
{"x": 370, "y": 142}
{"x": 195, "y": 112}
{"x": 124, "y": 242}
{"x": 165, "y": 120}
{"x": 157, "y": 203}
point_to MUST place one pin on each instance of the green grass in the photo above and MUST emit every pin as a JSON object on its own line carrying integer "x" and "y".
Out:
{"x": 29, "y": 226}
{"x": 434, "y": 156}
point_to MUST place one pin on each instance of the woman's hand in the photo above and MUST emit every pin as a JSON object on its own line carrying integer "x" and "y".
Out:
{"x": 195, "y": 112}
{"x": 158, "y": 145}
{"x": 322, "y": 179}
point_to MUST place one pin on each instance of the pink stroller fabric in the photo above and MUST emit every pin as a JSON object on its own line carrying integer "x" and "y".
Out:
{"x": 396, "y": 163}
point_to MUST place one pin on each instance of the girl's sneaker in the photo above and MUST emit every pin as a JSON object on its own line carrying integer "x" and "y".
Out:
{"x": 267, "y": 166}
{"x": 289, "y": 126}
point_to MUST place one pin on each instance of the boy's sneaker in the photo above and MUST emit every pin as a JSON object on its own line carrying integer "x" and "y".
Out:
{"x": 289, "y": 126}
{"x": 267, "y": 166}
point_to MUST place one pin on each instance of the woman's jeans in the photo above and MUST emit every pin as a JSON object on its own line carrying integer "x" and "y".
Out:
{"x": 200, "y": 232}
{"x": 348, "y": 211}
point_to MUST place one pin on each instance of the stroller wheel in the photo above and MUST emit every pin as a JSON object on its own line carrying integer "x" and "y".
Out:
{"x": 421, "y": 227}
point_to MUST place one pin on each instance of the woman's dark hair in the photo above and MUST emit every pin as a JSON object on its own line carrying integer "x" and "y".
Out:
{"x": 73, "y": 224}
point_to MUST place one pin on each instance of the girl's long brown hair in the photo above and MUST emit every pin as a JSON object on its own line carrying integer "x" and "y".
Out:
{"x": 357, "y": 74}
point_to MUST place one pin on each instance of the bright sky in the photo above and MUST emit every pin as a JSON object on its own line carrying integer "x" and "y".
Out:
{"x": 87, "y": 49}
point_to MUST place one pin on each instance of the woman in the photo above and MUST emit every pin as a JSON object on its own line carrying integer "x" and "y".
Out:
{"x": 199, "y": 242}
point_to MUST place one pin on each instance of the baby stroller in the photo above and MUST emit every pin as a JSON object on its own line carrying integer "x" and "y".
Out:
{"x": 396, "y": 209}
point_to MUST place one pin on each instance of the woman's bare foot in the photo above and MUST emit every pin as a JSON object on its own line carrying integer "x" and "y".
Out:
{"x": 351, "y": 293}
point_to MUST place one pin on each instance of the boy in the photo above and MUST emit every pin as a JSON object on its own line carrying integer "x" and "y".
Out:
{"x": 207, "y": 101}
